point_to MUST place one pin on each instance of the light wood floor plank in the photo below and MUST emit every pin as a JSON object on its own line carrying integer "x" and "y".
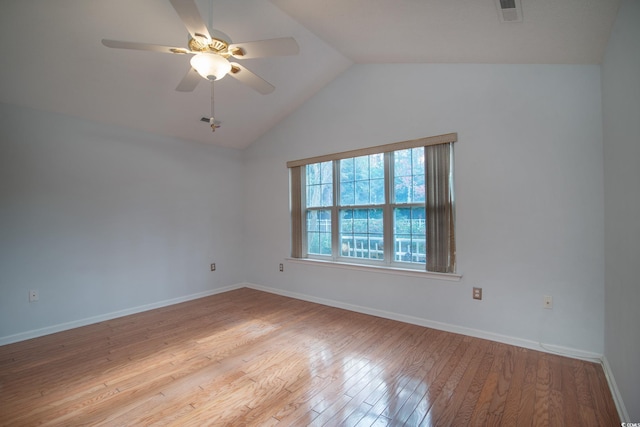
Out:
{"x": 432, "y": 408}
{"x": 252, "y": 358}
{"x": 514, "y": 395}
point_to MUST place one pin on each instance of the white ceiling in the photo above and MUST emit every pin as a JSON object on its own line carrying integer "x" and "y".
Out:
{"x": 53, "y": 59}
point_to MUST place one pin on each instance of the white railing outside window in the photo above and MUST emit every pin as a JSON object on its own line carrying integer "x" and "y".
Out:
{"x": 372, "y": 247}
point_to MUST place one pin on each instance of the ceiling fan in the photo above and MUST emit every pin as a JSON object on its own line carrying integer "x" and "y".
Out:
{"x": 212, "y": 50}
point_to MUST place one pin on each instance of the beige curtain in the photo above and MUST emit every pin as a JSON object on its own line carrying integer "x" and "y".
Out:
{"x": 295, "y": 182}
{"x": 441, "y": 251}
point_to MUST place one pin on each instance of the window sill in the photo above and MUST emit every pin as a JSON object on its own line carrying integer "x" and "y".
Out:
{"x": 453, "y": 277}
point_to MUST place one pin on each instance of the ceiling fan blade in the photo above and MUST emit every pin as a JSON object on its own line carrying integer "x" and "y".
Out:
{"x": 251, "y": 79}
{"x": 259, "y": 49}
{"x": 190, "y": 15}
{"x": 144, "y": 46}
{"x": 189, "y": 81}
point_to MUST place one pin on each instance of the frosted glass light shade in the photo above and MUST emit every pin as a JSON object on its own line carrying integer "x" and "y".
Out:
{"x": 210, "y": 66}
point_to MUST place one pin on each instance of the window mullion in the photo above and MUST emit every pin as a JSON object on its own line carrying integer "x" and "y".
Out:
{"x": 389, "y": 245}
{"x": 335, "y": 229}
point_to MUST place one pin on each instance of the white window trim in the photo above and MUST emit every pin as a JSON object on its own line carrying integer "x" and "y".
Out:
{"x": 385, "y": 269}
{"x": 385, "y": 266}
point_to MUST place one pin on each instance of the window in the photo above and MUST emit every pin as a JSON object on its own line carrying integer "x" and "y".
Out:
{"x": 390, "y": 206}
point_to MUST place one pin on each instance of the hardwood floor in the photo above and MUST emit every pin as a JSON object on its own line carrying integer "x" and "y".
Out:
{"x": 251, "y": 358}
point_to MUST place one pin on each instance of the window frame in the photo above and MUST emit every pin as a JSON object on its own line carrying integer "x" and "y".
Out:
{"x": 298, "y": 191}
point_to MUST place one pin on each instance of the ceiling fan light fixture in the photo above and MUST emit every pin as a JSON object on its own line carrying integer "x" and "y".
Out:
{"x": 210, "y": 65}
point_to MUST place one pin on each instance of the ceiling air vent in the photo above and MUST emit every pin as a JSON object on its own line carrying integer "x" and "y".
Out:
{"x": 509, "y": 10}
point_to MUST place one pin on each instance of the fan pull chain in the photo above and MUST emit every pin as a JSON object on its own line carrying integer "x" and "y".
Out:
{"x": 212, "y": 120}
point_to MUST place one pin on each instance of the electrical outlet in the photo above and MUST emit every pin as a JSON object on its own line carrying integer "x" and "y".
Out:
{"x": 477, "y": 293}
{"x": 281, "y": 267}
{"x": 547, "y": 302}
{"x": 33, "y": 295}
{"x": 213, "y": 266}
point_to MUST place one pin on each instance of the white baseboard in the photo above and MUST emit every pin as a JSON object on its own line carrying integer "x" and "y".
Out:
{"x": 617, "y": 397}
{"x": 477, "y": 333}
{"x": 108, "y": 316}
{"x": 547, "y": 348}
{"x": 533, "y": 345}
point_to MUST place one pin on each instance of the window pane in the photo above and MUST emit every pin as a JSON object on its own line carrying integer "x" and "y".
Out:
{"x": 376, "y": 166}
{"x": 402, "y": 162}
{"x": 409, "y": 235}
{"x": 361, "y": 233}
{"x": 327, "y": 194}
{"x": 326, "y": 171}
{"x": 362, "y": 168}
{"x": 360, "y": 221}
{"x": 319, "y": 178}
{"x": 347, "y": 170}
{"x": 362, "y": 192}
{"x": 401, "y": 190}
{"x": 346, "y": 222}
{"x": 362, "y": 180}
{"x": 418, "y": 189}
{"x": 377, "y": 191}
{"x": 319, "y": 232}
{"x": 347, "y": 193}
{"x": 313, "y": 174}
{"x": 313, "y": 195}
{"x": 408, "y": 175}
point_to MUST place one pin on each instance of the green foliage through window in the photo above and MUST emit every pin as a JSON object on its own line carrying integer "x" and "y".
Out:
{"x": 361, "y": 195}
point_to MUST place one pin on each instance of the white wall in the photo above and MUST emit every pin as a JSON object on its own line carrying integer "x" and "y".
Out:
{"x": 101, "y": 220}
{"x": 529, "y": 185}
{"x": 621, "y": 108}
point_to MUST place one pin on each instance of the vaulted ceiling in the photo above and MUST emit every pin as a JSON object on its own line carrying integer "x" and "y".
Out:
{"x": 53, "y": 59}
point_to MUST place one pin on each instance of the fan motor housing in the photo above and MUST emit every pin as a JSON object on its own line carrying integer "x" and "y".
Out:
{"x": 214, "y": 45}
